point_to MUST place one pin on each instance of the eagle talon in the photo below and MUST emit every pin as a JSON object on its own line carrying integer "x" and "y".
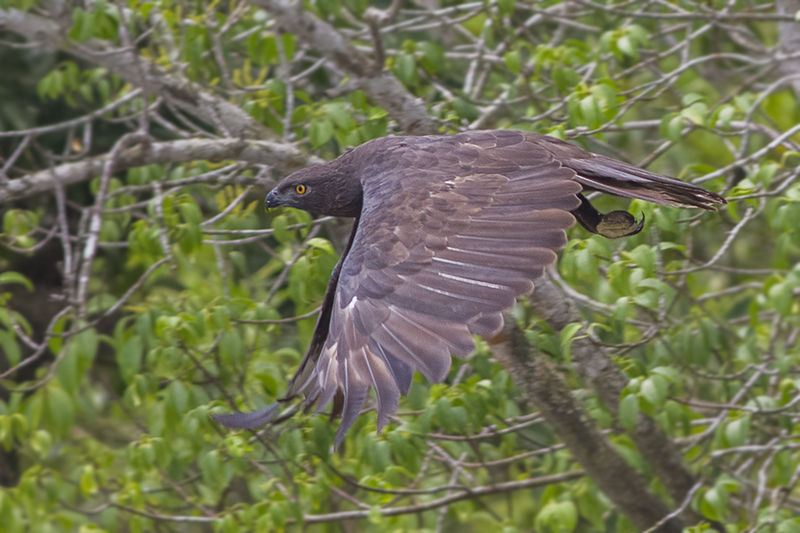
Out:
{"x": 611, "y": 225}
{"x": 617, "y": 224}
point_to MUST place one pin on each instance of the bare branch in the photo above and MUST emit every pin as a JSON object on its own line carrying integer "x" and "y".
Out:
{"x": 378, "y": 84}
{"x": 133, "y": 68}
{"x": 615, "y": 477}
{"x": 595, "y": 365}
{"x": 283, "y": 157}
{"x": 472, "y": 493}
{"x": 789, "y": 40}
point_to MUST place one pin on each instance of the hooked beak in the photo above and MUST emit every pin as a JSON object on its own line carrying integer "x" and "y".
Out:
{"x": 271, "y": 199}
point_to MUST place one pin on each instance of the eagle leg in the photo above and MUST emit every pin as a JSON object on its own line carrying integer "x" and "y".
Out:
{"x": 611, "y": 225}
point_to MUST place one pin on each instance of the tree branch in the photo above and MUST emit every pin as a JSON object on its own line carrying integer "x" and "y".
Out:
{"x": 789, "y": 40}
{"x": 596, "y": 367}
{"x": 175, "y": 88}
{"x": 623, "y": 485}
{"x": 378, "y": 84}
{"x": 283, "y": 157}
{"x": 472, "y": 493}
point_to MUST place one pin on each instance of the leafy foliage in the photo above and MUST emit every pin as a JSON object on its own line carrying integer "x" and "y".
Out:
{"x": 139, "y": 298}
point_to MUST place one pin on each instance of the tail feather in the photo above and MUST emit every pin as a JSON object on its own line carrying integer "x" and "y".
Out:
{"x": 621, "y": 179}
{"x": 601, "y": 173}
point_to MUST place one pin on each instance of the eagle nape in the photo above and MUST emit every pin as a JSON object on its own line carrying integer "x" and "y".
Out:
{"x": 450, "y": 230}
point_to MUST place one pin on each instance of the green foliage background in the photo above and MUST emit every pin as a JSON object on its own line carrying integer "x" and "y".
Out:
{"x": 108, "y": 383}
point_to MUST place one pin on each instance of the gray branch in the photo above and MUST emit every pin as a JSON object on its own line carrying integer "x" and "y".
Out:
{"x": 378, "y": 84}
{"x": 623, "y": 485}
{"x": 175, "y": 88}
{"x": 789, "y": 40}
{"x": 596, "y": 367}
{"x": 283, "y": 157}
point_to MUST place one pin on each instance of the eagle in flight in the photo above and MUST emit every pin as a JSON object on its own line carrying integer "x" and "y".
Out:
{"x": 449, "y": 231}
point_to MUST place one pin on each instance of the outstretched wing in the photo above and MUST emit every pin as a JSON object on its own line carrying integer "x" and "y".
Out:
{"x": 447, "y": 239}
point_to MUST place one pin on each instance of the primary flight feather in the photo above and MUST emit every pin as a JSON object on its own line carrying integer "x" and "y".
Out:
{"x": 449, "y": 231}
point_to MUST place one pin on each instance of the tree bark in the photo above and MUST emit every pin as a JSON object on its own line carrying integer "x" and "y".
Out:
{"x": 283, "y": 157}
{"x": 596, "y": 367}
{"x": 377, "y": 83}
{"x": 623, "y": 485}
{"x": 789, "y": 41}
{"x": 175, "y": 88}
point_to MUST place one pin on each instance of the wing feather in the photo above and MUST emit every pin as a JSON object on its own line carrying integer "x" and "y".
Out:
{"x": 418, "y": 283}
{"x": 401, "y": 372}
{"x": 450, "y": 231}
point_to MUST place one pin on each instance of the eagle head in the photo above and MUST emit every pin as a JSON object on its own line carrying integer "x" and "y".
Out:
{"x": 329, "y": 189}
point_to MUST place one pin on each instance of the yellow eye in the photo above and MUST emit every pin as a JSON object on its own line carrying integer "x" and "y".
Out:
{"x": 301, "y": 189}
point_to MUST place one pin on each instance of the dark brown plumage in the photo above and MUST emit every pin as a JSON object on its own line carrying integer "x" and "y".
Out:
{"x": 449, "y": 231}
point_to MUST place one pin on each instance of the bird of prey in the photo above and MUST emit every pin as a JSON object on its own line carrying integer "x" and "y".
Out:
{"x": 449, "y": 230}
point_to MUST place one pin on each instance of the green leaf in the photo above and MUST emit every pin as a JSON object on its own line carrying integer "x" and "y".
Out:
{"x": 513, "y": 61}
{"x": 667, "y": 372}
{"x": 725, "y": 116}
{"x": 41, "y": 442}
{"x": 10, "y": 347}
{"x": 714, "y": 503}
{"x": 320, "y": 131}
{"x": 791, "y": 525}
{"x": 375, "y": 516}
{"x": 280, "y": 228}
{"x": 589, "y": 110}
{"x": 10, "y": 277}
{"x": 506, "y": 7}
{"x": 557, "y": 517}
{"x": 339, "y": 113}
{"x": 696, "y": 113}
{"x": 59, "y": 409}
{"x": 781, "y": 298}
{"x": 628, "y": 46}
{"x": 81, "y": 30}
{"x": 189, "y": 211}
{"x": 645, "y": 257}
{"x": 737, "y": 431}
{"x": 88, "y": 482}
{"x": 288, "y": 40}
{"x": 405, "y": 68}
{"x": 211, "y": 468}
{"x": 671, "y": 126}
{"x": 318, "y": 243}
{"x": 129, "y": 357}
{"x": 433, "y": 58}
{"x": 177, "y": 401}
{"x": 567, "y": 337}
{"x": 269, "y": 50}
{"x": 465, "y": 109}
{"x": 81, "y": 351}
{"x": 564, "y": 78}
{"x": 591, "y": 506}
{"x": 654, "y": 390}
{"x": 629, "y": 411}
{"x": 231, "y": 348}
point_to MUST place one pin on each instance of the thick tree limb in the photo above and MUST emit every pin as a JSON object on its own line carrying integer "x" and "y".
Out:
{"x": 175, "y": 88}
{"x": 595, "y": 366}
{"x": 623, "y": 485}
{"x": 378, "y": 84}
{"x": 283, "y": 157}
